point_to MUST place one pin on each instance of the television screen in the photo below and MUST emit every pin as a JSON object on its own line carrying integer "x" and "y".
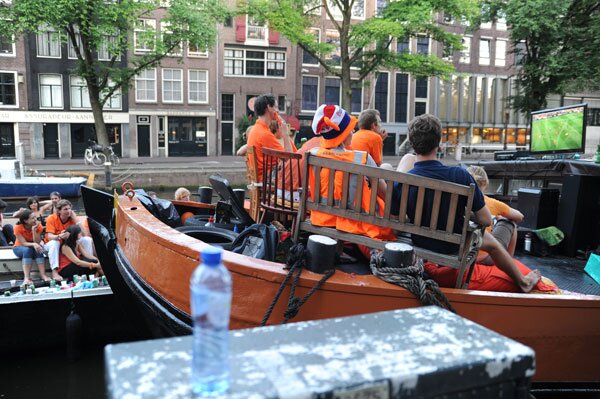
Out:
{"x": 558, "y": 130}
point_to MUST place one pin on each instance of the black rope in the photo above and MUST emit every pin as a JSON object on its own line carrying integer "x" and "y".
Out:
{"x": 295, "y": 263}
{"x": 427, "y": 291}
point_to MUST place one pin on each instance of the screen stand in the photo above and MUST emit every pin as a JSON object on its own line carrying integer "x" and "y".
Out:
{"x": 558, "y": 156}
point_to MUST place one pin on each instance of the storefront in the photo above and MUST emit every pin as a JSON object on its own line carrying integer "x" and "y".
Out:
{"x": 187, "y": 136}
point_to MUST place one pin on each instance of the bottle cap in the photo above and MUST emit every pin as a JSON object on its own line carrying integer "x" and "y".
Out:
{"x": 211, "y": 255}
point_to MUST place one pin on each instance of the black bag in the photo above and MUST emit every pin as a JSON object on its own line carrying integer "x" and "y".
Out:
{"x": 257, "y": 241}
{"x": 162, "y": 209}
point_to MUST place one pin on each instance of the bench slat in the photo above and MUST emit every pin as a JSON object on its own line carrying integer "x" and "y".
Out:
{"x": 373, "y": 199}
{"x": 317, "y": 190}
{"x": 345, "y": 185}
{"x": 331, "y": 187}
{"x": 419, "y": 208}
{"x": 359, "y": 194}
{"x": 388, "y": 199}
{"x": 452, "y": 212}
{"x": 403, "y": 204}
{"x": 435, "y": 212}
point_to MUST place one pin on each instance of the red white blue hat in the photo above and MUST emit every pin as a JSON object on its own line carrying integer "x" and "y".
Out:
{"x": 333, "y": 124}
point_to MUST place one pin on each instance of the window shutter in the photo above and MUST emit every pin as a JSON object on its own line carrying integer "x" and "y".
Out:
{"x": 273, "y": 37}
{"x": 240, "y": 28}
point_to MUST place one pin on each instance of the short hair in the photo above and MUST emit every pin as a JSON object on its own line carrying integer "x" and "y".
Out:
{"x": 3, "y": 204}
{"x": 62, "y": 203}
{"x": 425, "y": 133}
{"x": 55, "y": 193}
{"x": 180, "y": 192}
{"x": 479, "y": 174}
{"x": 367, "y": 118}
{"x": 23, "y": 216}
{"x": 262, "y": 102}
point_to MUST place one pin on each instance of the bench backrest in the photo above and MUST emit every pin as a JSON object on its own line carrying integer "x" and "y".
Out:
{"x": 352, "y": 210}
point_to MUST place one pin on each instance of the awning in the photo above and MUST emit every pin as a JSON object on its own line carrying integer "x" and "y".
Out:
{"x": 292, "y": 120}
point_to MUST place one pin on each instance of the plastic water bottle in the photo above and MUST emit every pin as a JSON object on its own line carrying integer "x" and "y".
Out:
{"x": 210, "y": 289}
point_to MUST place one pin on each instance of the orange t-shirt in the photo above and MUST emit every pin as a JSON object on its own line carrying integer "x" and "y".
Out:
{"x": 369, "y": 142}
{"x": 20, "y": 230}
{"x": 259, "y": 137}
{"x": 55, "y": 226}
{"x": 497, "y": 208}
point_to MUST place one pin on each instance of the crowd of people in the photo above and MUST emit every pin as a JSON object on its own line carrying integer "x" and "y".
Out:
{"x": 340, "y": 135}
{"x": 50, "y": 230}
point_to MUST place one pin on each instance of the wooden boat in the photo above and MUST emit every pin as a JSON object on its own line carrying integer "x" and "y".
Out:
{"x": 155, "y": 263}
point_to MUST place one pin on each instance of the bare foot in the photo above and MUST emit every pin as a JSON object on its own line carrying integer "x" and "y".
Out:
{"x": 56, "y": 276}
{"x": 530, "y": 280}
{"x": 45, "y": 278}
{"x": 27, "y": 281}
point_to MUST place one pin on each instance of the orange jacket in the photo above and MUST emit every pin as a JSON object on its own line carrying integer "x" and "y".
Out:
{"x": 344, "y": 224}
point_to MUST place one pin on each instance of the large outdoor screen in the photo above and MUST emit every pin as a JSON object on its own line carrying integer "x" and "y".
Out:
{"x": 558, "y": 130}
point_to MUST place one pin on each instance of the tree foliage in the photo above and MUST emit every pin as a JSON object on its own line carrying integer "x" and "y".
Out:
{"x": 108, "y": 25}
{"x": 557, "y": 42}
{"x": 365, "y": 45}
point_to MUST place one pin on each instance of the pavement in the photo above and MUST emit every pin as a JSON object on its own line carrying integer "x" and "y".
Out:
{"x": 169, "y": 172}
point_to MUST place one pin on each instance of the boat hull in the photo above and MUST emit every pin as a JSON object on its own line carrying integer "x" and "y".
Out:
{"x": 41, "y": 186}
{"x": 563, "y": 330}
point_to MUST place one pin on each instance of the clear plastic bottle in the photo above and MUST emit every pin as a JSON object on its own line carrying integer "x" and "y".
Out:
{"x": 527, "y": 244}
{"x": 210, "y": 289}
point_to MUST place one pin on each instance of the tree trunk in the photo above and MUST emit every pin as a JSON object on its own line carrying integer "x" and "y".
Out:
{"x": 101, "y": 135}
{"x": 346, "y": 89}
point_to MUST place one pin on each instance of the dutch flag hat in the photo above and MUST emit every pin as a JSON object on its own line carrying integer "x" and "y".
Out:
{"x": 333, "y": 124}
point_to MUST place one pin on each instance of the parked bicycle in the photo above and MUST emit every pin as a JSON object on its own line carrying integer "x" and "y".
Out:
{"x": 94, "y": 155}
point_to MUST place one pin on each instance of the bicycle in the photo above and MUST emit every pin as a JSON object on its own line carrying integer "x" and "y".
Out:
{"x": 94, "y": 155}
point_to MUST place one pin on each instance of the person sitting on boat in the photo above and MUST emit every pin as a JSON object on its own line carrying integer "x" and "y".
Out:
{"x": 50, "y": 205}
{"x": 243, "y": 150}
{"x": 335, "y": 126}
{"x": 424, "y": 133}
{"x": 182, "y": 194}
{"x": 261, "y": 135}
{"x": 505, "y": 217}
{"x": 33, "y": 204}
{"x": 7, "y": 235}
{"x": 370, "y": 136}
{"x": 56, "y": 226}
{"x": 28, "y": 246}
{"x": 74, "y": 258}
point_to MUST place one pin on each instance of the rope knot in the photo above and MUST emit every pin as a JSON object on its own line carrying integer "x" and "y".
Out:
{"x": 293, "y": 308}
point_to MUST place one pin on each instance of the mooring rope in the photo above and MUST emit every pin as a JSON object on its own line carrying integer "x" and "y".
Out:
{"x": 295, "y": 262}
{"x": 427, "y": 291}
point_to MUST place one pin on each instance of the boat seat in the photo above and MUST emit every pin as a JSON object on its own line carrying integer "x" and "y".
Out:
{"x": 254, "y": 183}
{"x": 6, "y": 253}
{"x": 425, "y": 221}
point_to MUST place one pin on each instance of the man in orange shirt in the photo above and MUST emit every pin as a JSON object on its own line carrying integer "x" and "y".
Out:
{"x": 370, "y": 136}
{"x": 56, "y": 224}
{"x": 261, "y": 135}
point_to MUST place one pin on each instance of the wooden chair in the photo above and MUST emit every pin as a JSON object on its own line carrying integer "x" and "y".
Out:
{"x": 281, "y": 185}
{"x": 254, "y": 183}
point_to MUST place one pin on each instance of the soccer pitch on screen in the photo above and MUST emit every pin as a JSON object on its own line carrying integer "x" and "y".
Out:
{"x": 558, "y": 130}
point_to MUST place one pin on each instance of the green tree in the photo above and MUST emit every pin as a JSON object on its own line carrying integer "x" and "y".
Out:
{"x": 556, "y": 43}
{"x": 91, "y": 26}
{"x": 365, "y": 45}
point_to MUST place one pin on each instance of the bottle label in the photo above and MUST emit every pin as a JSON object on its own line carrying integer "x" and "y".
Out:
{"x": 211, "y": 307}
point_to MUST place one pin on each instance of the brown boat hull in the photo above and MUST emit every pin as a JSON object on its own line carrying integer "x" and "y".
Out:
{"x": 563, "y": 330}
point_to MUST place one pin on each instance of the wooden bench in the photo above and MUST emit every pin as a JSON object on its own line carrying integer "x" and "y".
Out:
{"x": 466, "y": 240}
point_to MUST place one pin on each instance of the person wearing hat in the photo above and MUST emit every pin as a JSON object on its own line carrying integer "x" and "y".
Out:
{"x": 334, "y": 125}
{"x": 261, "y": 135}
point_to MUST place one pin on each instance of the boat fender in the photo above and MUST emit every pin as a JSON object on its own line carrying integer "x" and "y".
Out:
{"x": 320, "y": 253}
{"x": 74, "y": 329}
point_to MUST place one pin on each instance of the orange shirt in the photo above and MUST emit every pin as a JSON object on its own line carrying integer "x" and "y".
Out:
{"x": 497, "y": 208}
{"x": 55, "y": 226}
{"x": 20, "y": 230}
{"x": 369, "y": 142}
{"x": 259, "y": 137}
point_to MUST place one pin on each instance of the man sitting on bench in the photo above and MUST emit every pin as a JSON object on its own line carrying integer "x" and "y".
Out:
{"x": 335, "y": 126}
{"x": 424, "y": 133}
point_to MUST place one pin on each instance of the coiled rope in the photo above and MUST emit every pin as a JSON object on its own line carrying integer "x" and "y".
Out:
{"x": 296, "y": 261}
{"x": 427, "y": 291}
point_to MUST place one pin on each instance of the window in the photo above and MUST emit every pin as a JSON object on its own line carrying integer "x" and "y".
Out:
{"x": 198, "y": 86}
{"x": 381, "y": 95}
{"x": 422, "y": 45}
{"x": 380, "y": 6}
{"x": 145, "y": 86}
{"x": 255, "y": 30}
{"x": 333, "y": 37}
{"x": 308, "y": 59}
{"x": 7, "y": 47}
{"x": 332, "y": 91}
{"x": 71, "y": 51}
{"x": 227, "y": 109}
{"x": 254, "y": 63}
{"x": 358, "y": 9}
{"x": 172, "y": 85}
{"x": 520, "y": 53}
{"x": 107, "y": 48}
{"x": 48, "y": 43}
{"x": 310, "y": 93}
{"x": 421, "y": 88}
{"x": 80, "y": 97}
{"x": 356, "y": 96}
{"x": 8, "y": 89}
{"x": 465, "y": 53}
{"x": 281, "y": 104}
{"x": 401, "y": 98}
{"x": 196, "y": 51}
{"x": 420, "y": 108}
{"x": 51, "y": 91}
{"x": 114, "y": 102}
{"x": 484, "y": 52}
{"x": 501, "y": 22}
{"x": 144, "y": 35}
{"x": 500, "y": 53}
{"x": 403, "y": 45}
{"x": 448, "y": 19}
{"x": 169, "y": 41}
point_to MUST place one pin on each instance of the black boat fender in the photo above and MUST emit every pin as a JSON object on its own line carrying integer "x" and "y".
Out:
{"x": 210, "y": 235}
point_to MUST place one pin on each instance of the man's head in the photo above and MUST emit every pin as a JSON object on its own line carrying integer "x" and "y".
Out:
{"x": 55, "y": 197}
{"x": 333, "y": 124}
{"x": 369, "y": 119}
{"x": 64, "y": 209}
{"x": 264, "y": 105}
{"x": 425, "y": 134}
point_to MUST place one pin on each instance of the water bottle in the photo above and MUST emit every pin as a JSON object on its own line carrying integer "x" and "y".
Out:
{"x": 527, "y": 245}
{"x": 210, "y": 288}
